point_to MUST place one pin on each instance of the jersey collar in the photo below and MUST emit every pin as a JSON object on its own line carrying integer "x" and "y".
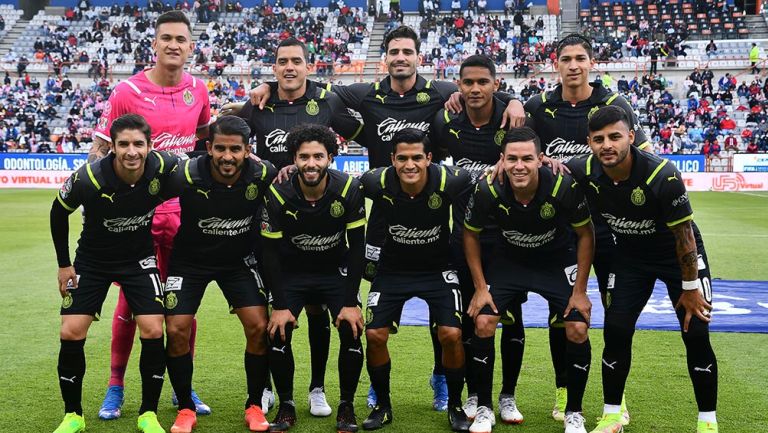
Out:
{"x": 385, "y": 85}
{"x": 107, "y": 167}
{"x": 311, "y": 89}
{"x": 205, "y": 172}
{"x": 392, "y": 184}
{"x": 639, "y": 164}
{"x": 498, "y": 112}
{"x": 598, "y": 94}
{"x": 546, "y": 182}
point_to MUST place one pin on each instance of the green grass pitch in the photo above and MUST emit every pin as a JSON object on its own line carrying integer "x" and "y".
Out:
{"x": 659, "y": 393}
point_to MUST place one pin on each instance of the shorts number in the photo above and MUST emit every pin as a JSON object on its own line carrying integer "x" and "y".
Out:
{"x": 706, "y": 289}
{"x": 457, "y": 299}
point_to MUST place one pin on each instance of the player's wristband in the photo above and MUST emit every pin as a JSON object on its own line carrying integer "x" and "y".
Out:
{"x": 691, "y": 285}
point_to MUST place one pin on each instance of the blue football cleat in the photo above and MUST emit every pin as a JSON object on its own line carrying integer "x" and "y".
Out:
{"x": 113, "y": 402}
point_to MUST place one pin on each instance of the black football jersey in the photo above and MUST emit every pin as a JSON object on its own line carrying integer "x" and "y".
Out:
{"x": 417, "y": 228}
{"x": 313, "y": 233}
{"x": 217, "y": 220}
{"x": 117, "y": 218}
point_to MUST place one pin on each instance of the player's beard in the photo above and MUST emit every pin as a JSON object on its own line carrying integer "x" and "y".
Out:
{"x": 621, "y": 155}
{"x": 320, "y": 176}
{"x": 409, "y": 71}
{"x": 227, "y": 175}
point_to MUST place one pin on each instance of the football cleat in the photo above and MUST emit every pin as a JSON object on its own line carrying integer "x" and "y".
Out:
{"x": 470, "y": 406}
{"x": 624, "y": 411}
{"x": 346, "y": 421}
{"x": 561, "y": 398}
{"x": 186, "y": 420}
{"x": 574, "y": 423}
{"x": 113, "y": 402}
{"x": 148, "y": 423}
{"x": 439, "y": 392}
{"x": 371, "y": 397}
{"x": 508, "y": 410}
{"x": 484, "y": 420}
{"x": 200, "y": 407}
{"x": 267, "y": 400}
{"x": 458, "y": 419}
{"x": 255, "y": 420}
{"x": 72, "y": 423}
{"x": 285, "y": 418}
{"x": 706, "y": 427}
{"x": 318, "y": 405}
{"x": 609, "y": 423}
{"x": 378, "y": 418}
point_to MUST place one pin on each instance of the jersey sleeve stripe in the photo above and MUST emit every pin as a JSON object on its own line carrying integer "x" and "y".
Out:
{"x": 557, "y": 185}
{"x": 162, "y": 163}
{"x": 446, "y": 117}
{"x": 474, "y": 229}
{"x": 581, "y": 223}
{"x": 356, "y": 224}
{"x": 589, "y": 165}
{"x": 322, "y": 93}
{"x": 644, "y": 145}
{"x": 133, "y": 86}
{"x": 66, "y": 206}
{"x": 357, "y": 132}
{"x": 263, "y": 171}
{"x": 489, "y": 179}
{"x": 383, "y": 177}
{"x": 611, "y": 99}
{"x": 186, "y": 172}
{"x": 443, "y": 175}
{"x": 346, "y": 187}
{"x": 276, "y": 194}
{"x": 92, "y": 177}
{"x": 655, "y": 172}
{"x": 272, "y": 235}
{"x": 681, "y": 220}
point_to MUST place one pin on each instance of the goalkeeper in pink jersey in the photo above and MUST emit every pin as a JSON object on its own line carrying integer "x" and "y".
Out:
{"x": 177, "y": 108}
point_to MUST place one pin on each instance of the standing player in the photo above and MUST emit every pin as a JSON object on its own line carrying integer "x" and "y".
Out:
{"x": 643, "y": 200}
{"x": 309, "y": 219}
{"x": 414, "y": 198}
{"x": 119, "y": 194}
{"x": 535, "y": 211}
{"x": 559, "y": 117}
{"x": 473, "y": 138}
{"x": 298, "y": 101}
{"x": 220, "y": 194}
{"x": 176, "y": 106}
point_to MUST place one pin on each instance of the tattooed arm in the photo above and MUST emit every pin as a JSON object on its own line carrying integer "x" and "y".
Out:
{"x": 691, "y": 300}
{"x": 99, "y": 149}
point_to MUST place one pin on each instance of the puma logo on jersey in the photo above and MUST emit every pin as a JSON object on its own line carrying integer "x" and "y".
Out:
{"x": 550, "y": 112}
{"x": 151, "y": 101}
{"x": 673, "y": 177}
{"x": 389, "y": 199}
{"x": 597, "y": 188}
{"x": 109, "y": 197}
{"x": 204, "y": 192}
{"x": 294, "y": 214}
{"x": 454, "y": 132}
{"x": 505, "y": 208}
{"x": 381, "y": 98}
{"x": 270, "y": 107}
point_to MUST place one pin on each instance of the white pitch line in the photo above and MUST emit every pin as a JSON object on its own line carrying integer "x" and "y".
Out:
{"x": 752, "y": 194}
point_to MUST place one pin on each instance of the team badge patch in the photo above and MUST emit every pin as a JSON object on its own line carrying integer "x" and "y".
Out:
{"x": 499, "y": 137}
{"x": 547, "y": 211}
{"x": 370, "y": 270}
{"x": 312, "y": 108}
{"x": 422, "y": 97}
{"x": 637, "y": 197}
{"x": 66, "y": 188}
{"x": 154, "y": 186}
{"x": 189, "y": 98}
{"x": 434, "y": 201}
{"x": 337, "y": 209}
{"x": 251, "y": 192}
{"x": 66, "y": 302}
{"x": 368, "y": 316}
{"x": 171, "y": 301}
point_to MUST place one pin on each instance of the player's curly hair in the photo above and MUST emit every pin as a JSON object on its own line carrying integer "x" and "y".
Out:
{"x": 130, "y": 121}
{"x": 306, "y": 133}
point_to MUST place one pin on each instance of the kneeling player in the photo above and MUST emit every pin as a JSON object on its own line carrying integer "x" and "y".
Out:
{"x": 643, "y": 199}
{"x": 415, "y": 197}
{"x": 308, "y": 221}
{"x": 219, "y": 195}
{"x": 119, "y": 194}
{"x": 535, "y": 211}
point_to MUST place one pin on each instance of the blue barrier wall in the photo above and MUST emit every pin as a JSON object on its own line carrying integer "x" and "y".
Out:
{"x": 688, "y": 163}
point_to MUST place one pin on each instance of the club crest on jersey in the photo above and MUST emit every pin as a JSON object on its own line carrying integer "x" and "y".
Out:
{"x": 252, "y": 192}
{"x": 435, "y": 201}
{"x": 66, "y": 302}
{"x": 337, "y": 209}
{"x": 422, "y": 97}
{"x": 312, "y": 108}
{"x": 154, "y": 186}
{"x": 547, "y": 211}
{"x": 370, "y": 270}
{"x": 498, "y": 138}
{"x": 171, "y": 301}
{"x": 637, "y": 197}
{"x": 188, "y": 97}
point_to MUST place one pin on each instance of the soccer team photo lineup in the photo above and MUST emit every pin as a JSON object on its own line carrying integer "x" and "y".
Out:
{"x": 552, "y": 234}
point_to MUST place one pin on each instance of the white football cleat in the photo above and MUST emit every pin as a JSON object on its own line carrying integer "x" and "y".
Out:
{"x": 318, "y": 405}
{"x": 508, "y": 410}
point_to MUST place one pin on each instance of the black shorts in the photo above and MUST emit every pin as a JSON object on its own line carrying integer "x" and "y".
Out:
{"x": 552, "y": 278}
{"x": 140, "y": 283}
{"x": 241, "y": 285}
{"x": 325, "y": 289}
{"x": 632, "y": 279}
{"x": 390, "y": 291}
